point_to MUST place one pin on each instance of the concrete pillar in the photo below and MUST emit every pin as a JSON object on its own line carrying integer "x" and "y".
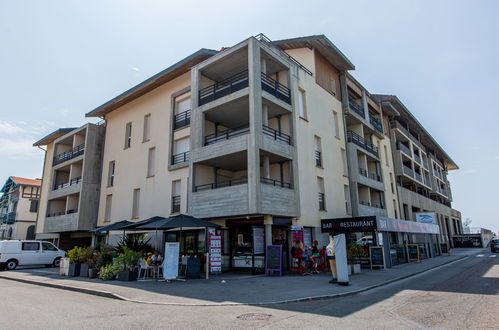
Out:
{"x": 266, "y": 167}
{"x": 263, "y": 63}
{"x": 265, "y": 115}
{"x": 364, "y": 105}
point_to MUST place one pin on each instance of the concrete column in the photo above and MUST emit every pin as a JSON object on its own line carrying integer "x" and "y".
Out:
{"x": 263, "y": 63}
{"x": 265, "y": 115}
{"x": 255, "y": 125}
{"x": 364, "y": 105}
{"x": 197, "y": 131}
{"x": 266, "y": 167}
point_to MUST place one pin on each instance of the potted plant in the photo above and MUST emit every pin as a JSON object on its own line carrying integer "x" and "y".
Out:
{"x": 109, "y": 272}
{"x": 354, "y": 253}
{"x": 87, "y": 257}
{"x": 75, "y": 256}
{"x": 104, "y": 255}
{"x": 128, "y": 261}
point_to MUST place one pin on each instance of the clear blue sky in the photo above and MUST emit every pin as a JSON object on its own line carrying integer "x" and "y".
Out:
{"x": 60, "y": 59}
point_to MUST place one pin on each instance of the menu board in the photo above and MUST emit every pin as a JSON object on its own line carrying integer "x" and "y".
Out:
{"x": 377, "y": 257}
{"x": 274, "y": 259}
{"x": 258, "y": 240}
{"x": 413, "y": 250}
{"x": 170, "y": 263}
{"x": 215, "y": 254}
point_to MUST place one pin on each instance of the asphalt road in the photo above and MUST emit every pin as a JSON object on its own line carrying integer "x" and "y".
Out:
{"x": 462, "y": 295}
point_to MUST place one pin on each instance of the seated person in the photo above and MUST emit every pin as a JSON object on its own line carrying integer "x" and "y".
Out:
{"x": 156, "y": 258}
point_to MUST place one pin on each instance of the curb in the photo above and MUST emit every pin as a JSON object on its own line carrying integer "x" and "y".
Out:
{"x": 112, "y": 295}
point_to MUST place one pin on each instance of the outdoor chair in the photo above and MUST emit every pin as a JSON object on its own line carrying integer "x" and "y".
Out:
{"x": 145, "y": 267}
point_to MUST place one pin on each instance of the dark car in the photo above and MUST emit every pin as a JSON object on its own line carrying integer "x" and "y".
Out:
{"x": 494, "y": 245}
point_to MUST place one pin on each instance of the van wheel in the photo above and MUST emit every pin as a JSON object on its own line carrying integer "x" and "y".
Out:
{"x": 57, "y": 262}
{"x": 11, "y": 264}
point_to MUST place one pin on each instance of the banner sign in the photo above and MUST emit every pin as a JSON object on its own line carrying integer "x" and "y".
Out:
{"x": 215, "y": 253}
{"x": 348, "y": 225}
{"x": 426, "y": 217}
{"x": 170, "y": 264}
{"x": 376, "y": 223}
{"x": 403, "y": 226}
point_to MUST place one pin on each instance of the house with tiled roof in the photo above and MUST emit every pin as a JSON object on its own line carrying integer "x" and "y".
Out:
{"x": 19, "y": 207}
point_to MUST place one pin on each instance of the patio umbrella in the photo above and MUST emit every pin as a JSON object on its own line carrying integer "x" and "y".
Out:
{"x": 136, "y": 226}
{"x": 114, "y": 226}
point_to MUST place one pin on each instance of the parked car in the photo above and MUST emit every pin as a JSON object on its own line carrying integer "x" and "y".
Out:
{"x": 494, "y": 245}
{"x": 24, "y": 252}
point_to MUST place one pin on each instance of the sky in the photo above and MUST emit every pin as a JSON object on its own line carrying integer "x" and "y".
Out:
{"x": 61, "y": 59}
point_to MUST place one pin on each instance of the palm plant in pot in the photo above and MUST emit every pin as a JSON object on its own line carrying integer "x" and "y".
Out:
{"x": 128, "y": 261}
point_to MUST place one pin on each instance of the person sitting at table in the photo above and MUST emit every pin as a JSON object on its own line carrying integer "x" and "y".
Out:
{"x": 315, "y": 255}
{"x": 156, "y": 258}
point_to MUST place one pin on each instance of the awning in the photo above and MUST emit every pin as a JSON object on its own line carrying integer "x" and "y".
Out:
{"x": 120, "y": 225}
{"x": 376, "y": 223}
{"x": 177, "y": 221}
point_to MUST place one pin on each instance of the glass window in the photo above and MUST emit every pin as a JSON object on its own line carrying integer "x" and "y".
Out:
{"x": 151, "y": 159}
{"x": 128, "y": 135}
{"x": 48, "y": 247}
{"x": 147, "y": 124}
{"x": 107, "y": 214}
{"x": 135, "y": 205}
{"x": 31, "y": 246}
{"x": 336, "y": 125}
{"x": 110, "y": 179}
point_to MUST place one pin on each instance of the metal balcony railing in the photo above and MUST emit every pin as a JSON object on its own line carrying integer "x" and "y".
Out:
{"x": 376, "y": 123}
{"x": 277, "y": 135}
{"x": 75, "y": 152}
{"x": 224, "y": 87}
{"x": 356, "y": 107}
{"x": 225, "y": 135}
{"x": 418, "y": 176}
{"x": 417, "y": 158}
{"x": 71, "y": 182}
{"x": 404, "y": 149}
{"x": 322, "y": 201}
{"x": 175, "y": 204}
{"x": 180, "y": 158}
{"x": 363, "y": 143}
{"x": 221, "y": 184}
{"x": 59, "y": 213}
{"x": 275, "y": 88}
{"x": 276, "y": 183}
{"x": 370, "y": 175}
{"x": 408, "y": 171}
{"x": 318, "y": 158}
{"x": 182, "y": 119}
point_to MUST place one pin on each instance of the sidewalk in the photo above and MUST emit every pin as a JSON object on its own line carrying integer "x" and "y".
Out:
{"x": 237, "y": 290}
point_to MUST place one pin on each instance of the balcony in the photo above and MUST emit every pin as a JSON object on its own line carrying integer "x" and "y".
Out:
{"x": 417, "y": 158}
{"x": 224, "y": 87}
{"x": 182, "y": 119}
{"x": 356, "y": 107}
{"x": 277, "y": 135}
{"x": 175, "y": 204}
{"x": 418, "y": 176}
{"x": 63, "y": 222}
{"x": 71, "y": 182}
{"x": 363, "y": 143}
{"x": 75, "y": 152}
{"x": 273, "y": 87}
{"x": 276, "y": 183}
{"x": 221, "y": 184}
{"x": 225, "y": 135}
{"x": 425, "y": 163}
{"x": 322, "y": 202}
{"x": 404, "y": 149}
{"x": 370, "y": 175}
{"x": 370, "y": 209}
{"x": 318, "y": 158}
{"x": 9, "y": 218}
{"x": 180, "y": 158}
{"x": 408, "y": 171}
{"x": 376, "y": 123}
{"x": 229, "y": 200}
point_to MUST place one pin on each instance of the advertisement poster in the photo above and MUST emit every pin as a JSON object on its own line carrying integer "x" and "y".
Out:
{"x": 215, "y": 254}
{"x": 258, "y": 240}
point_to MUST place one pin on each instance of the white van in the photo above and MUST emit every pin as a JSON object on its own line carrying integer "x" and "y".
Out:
{"x": 23, "y": 252}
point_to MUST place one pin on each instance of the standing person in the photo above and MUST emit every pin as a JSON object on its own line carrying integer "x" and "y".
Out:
{"x": 315, "y": 255}
{"x": 332, "y": 260}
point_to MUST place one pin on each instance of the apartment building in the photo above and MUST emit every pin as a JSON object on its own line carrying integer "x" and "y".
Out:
{"x": 421, "y": 167}
{"x": 71, "y": 185}
{"x": 18, "y": 207}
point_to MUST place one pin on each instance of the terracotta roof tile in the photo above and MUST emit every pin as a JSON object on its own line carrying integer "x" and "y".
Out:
{"x": 26, "y": 182}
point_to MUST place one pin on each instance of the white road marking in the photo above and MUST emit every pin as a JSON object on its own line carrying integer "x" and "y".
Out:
{"x": 493, "y": 256}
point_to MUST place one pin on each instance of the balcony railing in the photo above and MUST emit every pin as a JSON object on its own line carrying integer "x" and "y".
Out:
{"x": 408, "y": 171}
{"x": 277, "y": 135}
{"x": 356, "y": 107}
{"x": 75, "y": 152}
{"x": 180, "y": 158}
{"x": 221, "y": 184}
{"x": 418, "y": 176}
{"x": 361, "y": 142}
{"x": 369, "y": 175}
{"x": 182, "y": 119}
{"x": 404, "y": 149}
{"x": 318, "y": 158}
{"x": 322, "y": 202}
{"x": 417, "y": 159}
{"x": 223, "y": 87}
{"x": 276, "y": 183}
{"x": 59, "y": 213}
{"x": 225, "y": 135}
{"x": 376, "y": 123}
{"x": 275, "y": 88}
{"x": 175, "y": 204}
{"x": 71, "y": 182}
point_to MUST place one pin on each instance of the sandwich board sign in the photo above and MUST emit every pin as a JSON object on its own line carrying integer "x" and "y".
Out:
{"x": 170, "y": 263}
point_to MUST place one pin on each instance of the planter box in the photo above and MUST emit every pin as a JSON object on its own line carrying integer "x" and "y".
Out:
{"x": 84, "y": 270}
{"x": 93, "y": 273}
{"x": 74, "y": 269}
{"x": 356, "y": 268}
{"x": 127, "y": 276}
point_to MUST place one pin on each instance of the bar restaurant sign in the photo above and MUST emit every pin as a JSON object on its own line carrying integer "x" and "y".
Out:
{"x": 345, "y": 225}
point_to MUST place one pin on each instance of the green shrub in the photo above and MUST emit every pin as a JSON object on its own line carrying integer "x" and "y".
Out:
{"x": 109, "y": 272}
{"x": 128, "y": 259}
{"x": 76, "y": 255}
{"x": 105, "y": 255}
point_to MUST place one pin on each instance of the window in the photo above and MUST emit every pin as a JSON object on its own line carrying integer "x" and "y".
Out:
{"x": 110, "y": 175}
{"x": 31, "y": 246}
{"x": 302, "y": 107}
{"x": 344, "y": 162}
{"x": 146, "y": 136}
{"x": 33, "y": 206}
{"x": 395, "y": 208}
{"x": 318, "y": 151}
{"x": 48, "y": 247}
{"x": 322, "y": 196}
{"x": 176, "y": 193}
{"x": 128, "y": 135}
{"x": 392, "y": 184}
{"x": 180, "y": 151}
{"x": 346, "y": 191}
{"x": 182, "y": 112}
{"x": 386, "y": 156}
{"x": 151, "y": 159}
{"x": 107, "y": 213}
{"x": 135, "y": 204}
{"x": 336, "y": 125}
